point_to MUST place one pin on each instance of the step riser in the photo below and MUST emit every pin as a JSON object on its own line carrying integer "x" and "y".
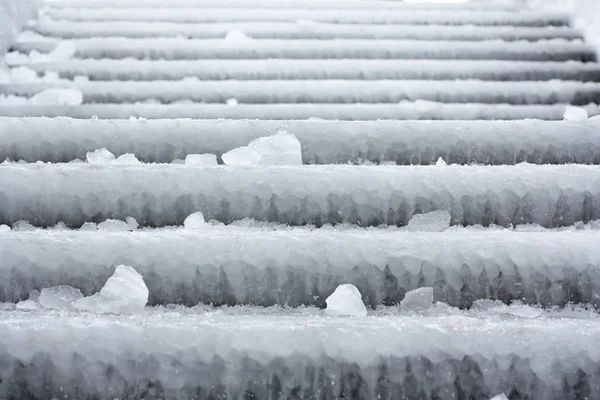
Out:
{"x": 304, "y": 267}
{"x": 165, "y": 195}
{"x": 98, "y": 70}
{"x": 405, "y": 143}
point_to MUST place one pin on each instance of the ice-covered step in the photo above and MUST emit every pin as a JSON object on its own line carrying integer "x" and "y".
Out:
{"x": 149, "y": 70}
{"x": 298, "y": 30}
{"x": 419, "y": 110}
{"x": 195, "y": 49}
{"x": 341, "y": 16}
{"x": 159, "y": 195}
{"x": 323, "y": 142}
{"x": 297, "y": 4}
{"x": 265, "y": 266}
{"x": 252, "y": 353}
{"x": 324, "y": 91}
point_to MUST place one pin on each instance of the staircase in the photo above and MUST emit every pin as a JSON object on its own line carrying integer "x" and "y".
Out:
{"x": 376, "y": 92}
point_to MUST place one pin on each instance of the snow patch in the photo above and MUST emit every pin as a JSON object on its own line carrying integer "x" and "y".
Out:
{"x": 435, "y": 221}
{"x": 100, "y": 156}
{"x": 194, "y": 221}
{"x": 417, "y": 299}
{"x": 58, "y": 97}
{"x": 573, "y": 113}
{"x": 282, "y": 148}
{"x": 346, "y": 300}
{"x": 124, "y": 293}
{"x": 59, "y": 297}
{"x": 201, "y": 160}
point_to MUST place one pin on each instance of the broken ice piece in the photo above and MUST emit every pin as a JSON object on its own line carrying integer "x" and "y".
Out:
{"x": 235, "y": 35}
{"x": 194, "y": 221}
{"x": 63, "y": 51}
{"x": 113, "y": 225}
{"x": 440, "y": 162}
{"x": 487, "y": 304}
{"x": 59, "y": 297}
{"x": 23, "y": 226}
{"x": 435, "y": 221}
{"x": 58, "y": 97}
{"x": 346, "y": 300}
{"x": 124, "y": 293}
{"x": 89, "y": 226}
{"x": 127, "y": 159}
{"x": 282, "y": 148}
{"x": 4, "y": 228}
{"x": 232, "y": 102}
{"x": 100, "y": 156}
{"x": 60, "y": 226}
{"x": 500, "y": 396}
{"x": 201, "y": 160}
{"x": 131, "y": 223}
{"x": 573, "y": 113}
{"x": 417, "y": 299}
{"x": 28, "y": 305}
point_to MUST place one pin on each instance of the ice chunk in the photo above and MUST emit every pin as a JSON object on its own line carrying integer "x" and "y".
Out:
{"x": 124, "y": 293}
{"x": 23, "y": 75}
{"x": 132, "y": 224}
{"x": 232, "y": 102}
{"x": 575, "y": 114}
{"x": 235, "y": 35}
{"x": 113, "y": 225}
{"x": 89, "y": 226}
{"x": 100, "y": 156}
{"x": 59, "y": 297}
{"x": 282, "y": 148}
{"x": 435, "y": 221}
{"x": 60, "y": 226}
{"x": 23, "y": 226}
{"x": 63, "y": 51}
{"x": 346, "y": 300}
{"x": 28, "y": 305}
{"x": 500, "y": 396}
{"x": 440, "y": 162}
{"x": 201, "y": 160}
{"x": 4, "y": 228}
{"x": 127, "y": 159}
{"x": 194, "y": 221}
{"x": 417, "y": 299}
{"x": 58, "y": 97}
{"x": 487, "y": 304}
{"x": 34, "y": 295}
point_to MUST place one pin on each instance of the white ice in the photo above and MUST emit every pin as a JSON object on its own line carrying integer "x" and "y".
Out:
{"x": 235, "y": 35}
{"x": 58, "y": 96}
{"x": 440, "y": 162}
{"x": 132, "y": 224}
{"x": 89, "y": 226}
{"x": 59, "y": 297}
{"x": 575, "y": 114}
{"x": 113, "y": 225}
{"x": 346, "y": 300}
{"x": 500, "y": 396}
{"x": 194, "y": 221}
{"x": 232, "y": 102}
{"x": 201, "y": 160}
{"x": 435, "y": 221}
{"x": 100, "y": 156}
{"x": 127, "y": 159}
{"x": 23, "y": 226}
{"x": 27, "y": 305}
{"x": 4, "y": 228}
{"x": 282, "y": 148}
{"x": 417, "y": 299}
{"x": 63, "y": 51}
{"x": 124, "y": 293}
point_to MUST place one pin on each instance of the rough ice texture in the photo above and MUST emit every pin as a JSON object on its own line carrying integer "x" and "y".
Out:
{"x": 345, "y": 300}
{"x": 341, "y": 16}
{"x": 313, "y": 91}
{"x": 265, "y": 267}
{"x": 419, "y": 110}
{"x": 197, "y": 49}
{"x": 159, "y": 195}
{"x": 417, "y": 299}
{"x": 148, "y": 70}
{"x": 13, "y": 14}
{"x": 185, "y": 355}
{"x": 323, "y": 142}
{"x": 435, "y": 221}
{"x": 294, "y": 30}
{"x": 282, "y": 148}
{"x": 100, "y": 156}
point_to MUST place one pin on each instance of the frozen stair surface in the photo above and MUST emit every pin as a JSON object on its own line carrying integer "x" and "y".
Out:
{"x": 436, "y": 167}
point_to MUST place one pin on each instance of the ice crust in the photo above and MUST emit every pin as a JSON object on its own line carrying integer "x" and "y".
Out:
{"x": 295, "y": 30}
{"x": 316, "y": 91}
{"x": 348, "y": 16}
{"x": 160, "y": 195}
{"x": 323, "y": 142}
{"x": 252, "y": 354}
{"x": 304, "y": 266}
{"x": 418, "y": 110}
{"x": 148, "y": 70}
{"x": 345, "y": 300}
{"x": 206, "y": 49}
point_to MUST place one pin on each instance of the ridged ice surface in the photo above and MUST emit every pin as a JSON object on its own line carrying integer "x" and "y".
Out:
{"x": 194, "y": 49}
{"x": 294, "y": 30}
{"x": 159, "y": 195}
{"x": 419, "y": 110}
{"x": 348, "y": 16}
{"x": 323, "y": 142}
{"x": 326, "y": 91}
{"x": 149, "y": 70}
{"x": 183, "y": 354}
{"x": 232, "y": 265}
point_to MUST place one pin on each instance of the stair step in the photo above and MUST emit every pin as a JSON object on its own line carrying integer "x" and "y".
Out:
{"x": 272, "y": 354}
{"x": 196, "y": 49}
{"x": 323, "y": 142}
{"x": 294, "y": 30}
{"x": 293, "y": 267}
{"x": 159, "y": 195}
{"x": 346, "y": 16}
{"x": 271, "y": 69}
{"x": 350, "y": 112}
{"x": 324, "y": 91}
